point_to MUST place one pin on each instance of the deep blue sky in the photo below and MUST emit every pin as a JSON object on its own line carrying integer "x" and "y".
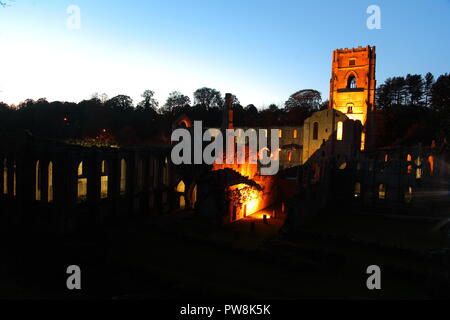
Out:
{"x": 260, "y": 50}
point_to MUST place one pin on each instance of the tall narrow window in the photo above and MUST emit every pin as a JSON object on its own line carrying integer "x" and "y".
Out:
{"x": 181, "y": 187}
{"x": 104, "y": 180}
{"x": 38, "y": 181}
{"x": 418, "y": 161}
{"x": 289, "y": 156}
{"x": 431, "y": 163}
{"x": 194, "y": 196}
{"x": 357, "y": 193}
{"x": 340, "y": 130}
{"x": 408, "y": 195}
{"x": 123, "y": 176}
{"x": 418, "y": 173}
{"x": 5, "y": 176}
{"x": 82, "y": 184}
{"x": 408, "y": 158}
{"x": 280, "y": 133}
{"x": 381, "y": 192}
{"x": 50, "y": 182}
{"x": 14, "y": 180}
{"x": 316, "y": 131}
{"x": 295, "y": 135}
{"x": 386, "y": 157}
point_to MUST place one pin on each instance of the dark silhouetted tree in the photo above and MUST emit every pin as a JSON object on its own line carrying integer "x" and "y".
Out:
{"x": 208, "y": 98}
{"x": 440, "y": 94}
{"x": 384, "y": 94}
{"x": 176, "y": 100}
{"x": 308, "y": 100}
{"x": 149, "y": 101}
{"x": 428, "y": 85}
{"x": 414, "y": 89}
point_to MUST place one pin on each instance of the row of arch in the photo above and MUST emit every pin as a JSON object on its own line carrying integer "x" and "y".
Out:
{"x": 183, "y": 196}
{"x": 339, "y": 131}
{"x": 382, "y": 192}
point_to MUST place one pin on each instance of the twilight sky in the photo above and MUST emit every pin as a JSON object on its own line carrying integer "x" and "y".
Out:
{"x": 260, "y": 50}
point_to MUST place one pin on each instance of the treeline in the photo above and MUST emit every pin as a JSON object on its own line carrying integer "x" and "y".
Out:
{"x": 118, "y": 120}
{"x": 414, "y": 90}
{"x": 413, "y": 109}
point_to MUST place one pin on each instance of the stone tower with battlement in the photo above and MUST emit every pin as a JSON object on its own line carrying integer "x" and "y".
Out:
{"x": 352, "y": 88}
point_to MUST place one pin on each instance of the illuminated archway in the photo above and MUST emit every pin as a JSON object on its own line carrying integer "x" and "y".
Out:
{"x": 82, "y": 183}
{"x": 181, "y": 187}
{"x": 104, "y": 180}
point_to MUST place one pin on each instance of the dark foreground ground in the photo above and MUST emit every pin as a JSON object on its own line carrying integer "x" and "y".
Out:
{"x": 181, "y": 257}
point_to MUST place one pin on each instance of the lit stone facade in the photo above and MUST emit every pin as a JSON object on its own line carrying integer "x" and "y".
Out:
{"x": 352, "y": 88}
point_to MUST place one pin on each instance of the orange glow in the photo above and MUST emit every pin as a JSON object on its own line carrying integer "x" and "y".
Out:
{"x": 246, "y": 200}
{"x": 260, "y": 215}
{"x": 431, "y": 162}
{"x": 409, "y": 169}
{"x": 252, "y": 205}
{"x": 363, "y": 141}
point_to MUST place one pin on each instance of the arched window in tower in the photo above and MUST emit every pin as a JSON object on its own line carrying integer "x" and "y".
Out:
{"x": 295, "y": 134}
{"x": 316, "y": 131}
{"x": 350, "y": 108}
{"x": 289, "y": 156}
{"x": 340, "y": 131}
{"x": 38, "y": 181}
{"x": 82, "y": 183}
{"x": 351, "y": 82}
{"x": 50, "y": 182}
{"x": 104, "y": 180}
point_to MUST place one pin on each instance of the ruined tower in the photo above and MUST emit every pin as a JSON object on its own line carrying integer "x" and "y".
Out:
{"x": 352, "y": 88}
